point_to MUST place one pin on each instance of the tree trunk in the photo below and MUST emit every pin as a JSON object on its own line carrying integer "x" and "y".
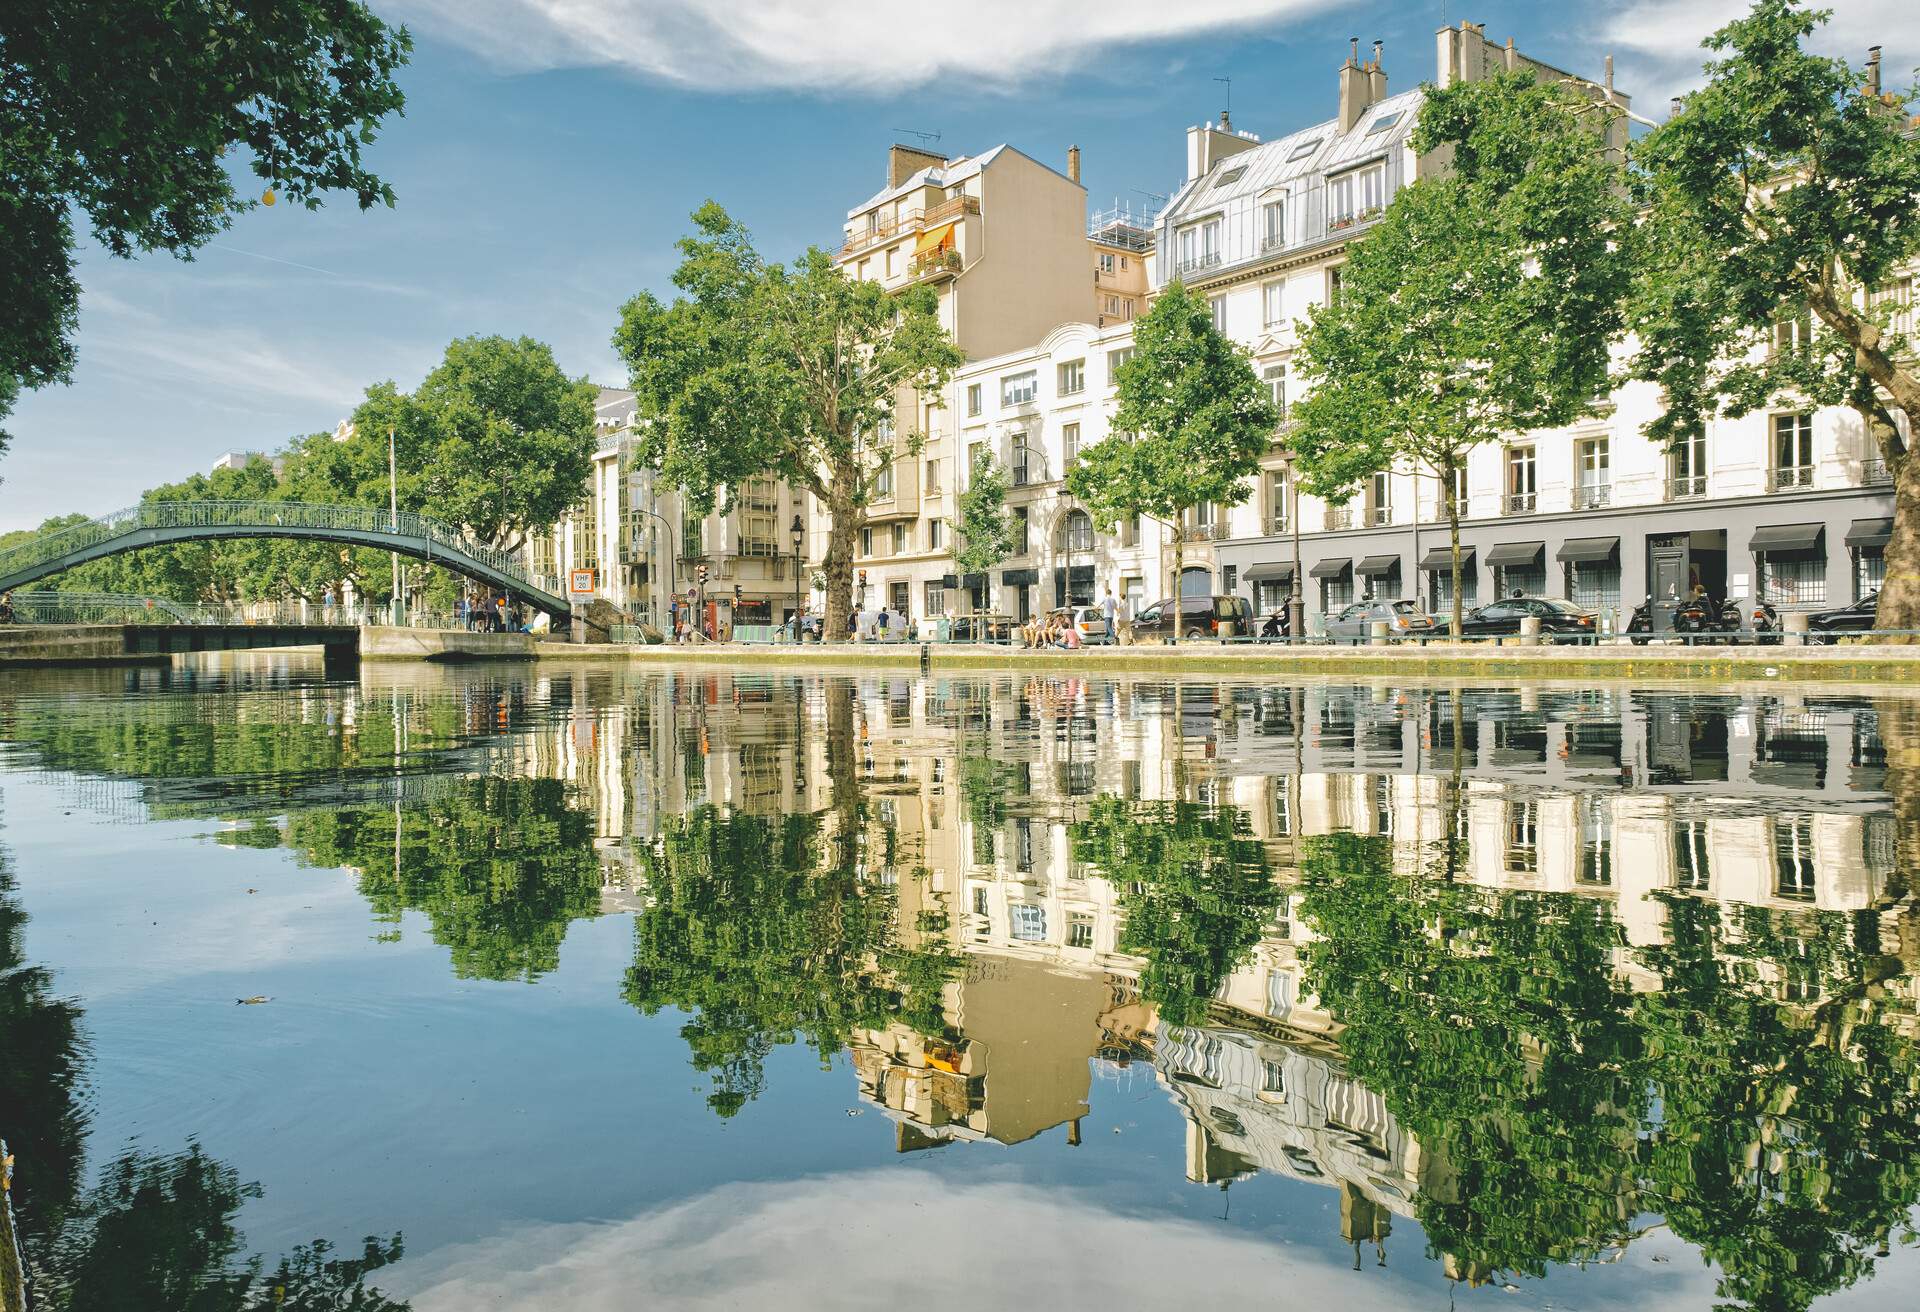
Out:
{"x": 1899, "y": 606}
{"x": 844, "y": 522}
{"x": 1453, "y": 535}
{"x": 1179, "y": 573}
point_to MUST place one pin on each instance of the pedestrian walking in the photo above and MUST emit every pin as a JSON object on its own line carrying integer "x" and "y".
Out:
{"x": 1123, "y": 616}
{"x": 1108, "y": 608}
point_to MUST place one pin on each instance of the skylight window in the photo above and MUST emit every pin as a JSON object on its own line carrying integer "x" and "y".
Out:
{"x": 1304, "y": 149}
{"x": 1232, "y": 176}
{"x": 1385, "y": 121}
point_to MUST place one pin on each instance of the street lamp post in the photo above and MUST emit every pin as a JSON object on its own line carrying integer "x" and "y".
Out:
{"x": 799, "y": 568}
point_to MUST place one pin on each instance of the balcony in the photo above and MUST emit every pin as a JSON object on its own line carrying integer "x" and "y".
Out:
{"x": 1342, "y": 222}
{"x": 1519, "y": 503}
{"x": 1592, "y": 496}
{"x": 935, "y": 264}
{"x": 1339, "y": 518}
{"x": 1875, "y": 473}
{"x": 1276, "y": 525}
{"x": 1208, "y": 260}
{"x": 1790, "y": 478}
{"x": 1378, "y": 516}
{"x": 1686, "y": 487}
{"x": 946, "y": 211}
{"x": 1202, "y": 532}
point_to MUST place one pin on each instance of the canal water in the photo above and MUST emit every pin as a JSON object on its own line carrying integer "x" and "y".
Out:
{"x": 453, "y": 988}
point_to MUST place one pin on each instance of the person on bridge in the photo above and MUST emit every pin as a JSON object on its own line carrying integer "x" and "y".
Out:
{"x": 6, "y": 606}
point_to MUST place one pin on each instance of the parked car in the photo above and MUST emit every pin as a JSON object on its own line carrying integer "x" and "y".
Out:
{"x": 1402, "y": 618}
{"x": 1091, "y": 621}
{"x": 982, "y": 626}
{"x": 1823, "y": 626}
{"x": 1198, "y": 617}
{"x": 1561, "y": 621}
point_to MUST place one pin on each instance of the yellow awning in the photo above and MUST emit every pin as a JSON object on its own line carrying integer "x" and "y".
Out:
{"x": 934, "y": 239}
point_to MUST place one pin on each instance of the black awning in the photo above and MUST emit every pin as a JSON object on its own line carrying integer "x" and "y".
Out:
{"x": 1015, "y": 578}
{"x": 1787, "y": 537}
{"x": 1268, "y": 570}
{"x": 1330, "y": 569}
{"x": 978, "y": 580}
{"x": 1516, "y": 553}
{"x": 1870, "y": 533}
{"x": 1079, "y": 573}
{"x": 1442, "y": 558}
{"x": 949, "y": 580}
{"x": 1375, "y": 566}
{"x": 1582, "y": 551}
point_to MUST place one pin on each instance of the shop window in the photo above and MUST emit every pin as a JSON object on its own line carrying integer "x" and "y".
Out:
{"x": 1789, "y": 579}
{"x": 1594, "y": 583}
{"x": 1869, "y": 571}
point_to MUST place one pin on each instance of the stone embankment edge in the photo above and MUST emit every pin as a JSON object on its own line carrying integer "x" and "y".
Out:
{"x": 1854, "y": 664}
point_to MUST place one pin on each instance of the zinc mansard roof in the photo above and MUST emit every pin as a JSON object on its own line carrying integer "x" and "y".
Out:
{"x": 935, "y": 175}
{"x": 1309, "y": 155}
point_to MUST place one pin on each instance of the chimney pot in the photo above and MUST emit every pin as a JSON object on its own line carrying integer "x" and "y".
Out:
{"x": 1378, "y": 46}
{"x": 1353, "y": 54}
{"x": 1873, "y": 70}
{"x": 1673, "y": 108}
{"x": 1073, "y": 163}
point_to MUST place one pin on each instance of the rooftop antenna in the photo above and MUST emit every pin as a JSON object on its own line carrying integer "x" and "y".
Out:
{"x": 926, "y": 138}
{"x": 1226, "y": 115}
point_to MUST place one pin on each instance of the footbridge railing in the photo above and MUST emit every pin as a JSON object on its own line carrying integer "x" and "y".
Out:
{"x": 159, "y": 522}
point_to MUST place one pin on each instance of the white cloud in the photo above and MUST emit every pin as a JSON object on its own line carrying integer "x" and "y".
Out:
{"x": 823, "y": 45}
{"x": 1659, "y": 41}
{"x": 853, "y": 1241}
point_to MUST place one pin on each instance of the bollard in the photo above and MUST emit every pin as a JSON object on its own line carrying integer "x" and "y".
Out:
{"x": 1377, "y": 633}
{"x": 1793, "y": 625}
{"x": 1530, "y": 631}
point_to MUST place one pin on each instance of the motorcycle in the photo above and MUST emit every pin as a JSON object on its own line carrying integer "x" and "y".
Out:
{"x": 1640, "y": 624}
{"x": 1695, "y": 616}
{"x": 1766, "y": 623}
{"x": 1276, "y": 624}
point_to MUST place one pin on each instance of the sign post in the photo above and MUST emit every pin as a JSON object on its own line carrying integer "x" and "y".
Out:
{"x": 580, "y": 591}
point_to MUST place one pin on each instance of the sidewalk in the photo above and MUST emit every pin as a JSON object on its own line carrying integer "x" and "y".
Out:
{"x": 1607, "y": 660}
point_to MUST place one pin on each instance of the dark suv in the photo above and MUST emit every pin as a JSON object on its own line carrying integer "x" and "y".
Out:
{"x": 1199, "y": 617}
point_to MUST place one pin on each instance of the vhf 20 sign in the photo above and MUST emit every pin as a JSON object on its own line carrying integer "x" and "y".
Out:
{"x": 579, "y": 583}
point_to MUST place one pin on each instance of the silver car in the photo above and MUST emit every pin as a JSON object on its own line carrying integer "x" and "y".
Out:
{"x": 1404, "y": 619}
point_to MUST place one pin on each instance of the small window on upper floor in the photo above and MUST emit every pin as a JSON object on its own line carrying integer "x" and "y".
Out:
{"x": 1384, "y": 121}
{"x": 1232, "y": 176}
{"x": 1017, "y": 389}
{"x": 1106, "y": 261}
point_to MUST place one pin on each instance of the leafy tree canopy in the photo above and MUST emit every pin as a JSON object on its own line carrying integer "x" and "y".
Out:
{"x": 984, "y": 527}
{"x": 145, "y": 118}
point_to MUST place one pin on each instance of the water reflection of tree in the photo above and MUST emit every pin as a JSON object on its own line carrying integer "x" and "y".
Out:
{"x": 1762, "y": 1098}
{"x": 500, "y": 866}
{"x": 1196, "y": 889}
{"x": 767, "y": 932}
{"x": 157, "y": 1231}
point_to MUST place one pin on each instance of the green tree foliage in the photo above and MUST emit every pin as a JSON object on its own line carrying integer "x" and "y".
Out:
{"x": 496, "y": 439}
{"x": 158, "y": 1232}
{"x": 144, "y": 117}
{"x": 790, "y": 371}
{"x": 1763, "y": 1099}
{"x": 1191, "y": 424}
{"x": 1783, "y": 193}
{"x": 1485, "y": 301}
{"x": 1199, "y": 889}
{"x": 985, "y": 531}
{"x": 500, "y": 867}
{"x": 759, "y": 929}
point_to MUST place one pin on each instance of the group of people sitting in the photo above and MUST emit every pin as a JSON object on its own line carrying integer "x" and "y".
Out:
{"x": 1055, "y": 630}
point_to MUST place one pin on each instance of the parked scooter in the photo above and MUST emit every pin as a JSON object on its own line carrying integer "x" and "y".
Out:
{"x": 1766, "y": 623}
{"x": 1694, "y": 617}
{"x": 1276, "y": 624}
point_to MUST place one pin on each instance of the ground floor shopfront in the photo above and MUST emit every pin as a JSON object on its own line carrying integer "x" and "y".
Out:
{"x": 1798, "y": 550}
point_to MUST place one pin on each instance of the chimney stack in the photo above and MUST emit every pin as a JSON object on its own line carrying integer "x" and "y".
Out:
{"x": 905, "y": 161}
{"x": 1376, "y": 76}
{"x": 1609, "y": 78}
{"x": 1873, "y": 70}
{"x": 1673, "y": 108}
{"x": 1073, "y": 163}
{"x": 1354, "y": 88}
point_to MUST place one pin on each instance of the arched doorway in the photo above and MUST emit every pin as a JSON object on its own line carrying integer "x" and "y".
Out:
{"x": 1196, "y": 581}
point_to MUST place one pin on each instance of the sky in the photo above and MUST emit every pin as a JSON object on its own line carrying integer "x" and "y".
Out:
{"x": 552, "y": 150}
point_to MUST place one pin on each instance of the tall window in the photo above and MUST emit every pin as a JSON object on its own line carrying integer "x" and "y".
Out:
{"x": 1521, "y": 488}
{"x": 1687, "y": 468}
{"x": 1523, "y": 837}
{"x": 1596, "y": 839}
{"x": 1440, "y": 586}
{"x": 933, "y": 478}
{"x": 1336, "y": 592}
{"x": 936, "y": 534}
{"x": 1116, "y": 358}
{"x": 1279, "y": 500}
{"x": 1273, "y": 302}
{"x": 1022, "y": 467}
{"x": 1693, "y": 872}
{"x": 1018, "y": 389}
{"x": 1793, "y": 450}
{"x": 973, "y": 400}
{"x": 899, "y": 538}
{"x": 1594, "y": 583}
{"x": 1334, "y": 282}
{"x": 883, "y": 482}
{"x": 1596, "y": 478}
{"x": 1793, "y": 333}
{"x": 1789, "y": 578}
{"x": 1069, "y": 445}
{"x": 1217, "y": 307}
{"x": 1869, "y": 571}
{"x": 1276, "y": 378}
{"x": 1018, "y": 525}
{"x": 1078, "y": 535}
{"x": 1793, "y": 857}
{"x": 693, "y": 537}
{"x": 936, "y": 598}
{"x": 1073, "y": 377}
{"x": 1355, "y": 195}
{"x": 1380, "y": 498}
{"x": 1273, "y": 225}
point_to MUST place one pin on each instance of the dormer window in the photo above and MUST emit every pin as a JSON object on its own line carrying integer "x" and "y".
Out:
{"x": 1231, "y": 176}
{"x": 1304, "y": 149}
{"x": 1355, "y": 196}
{"x": 1384, "y": 121}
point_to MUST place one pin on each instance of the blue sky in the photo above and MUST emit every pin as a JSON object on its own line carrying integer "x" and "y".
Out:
{"x": 552, "y": 150}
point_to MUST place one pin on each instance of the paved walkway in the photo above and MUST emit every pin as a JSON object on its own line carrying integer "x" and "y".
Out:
{"x": 1857, "y": 663}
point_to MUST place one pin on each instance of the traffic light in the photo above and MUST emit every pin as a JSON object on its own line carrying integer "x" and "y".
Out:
{"x": 700, "y": 575}
{"x": 863, "y": 578}
{"x": 736, "y": 594}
